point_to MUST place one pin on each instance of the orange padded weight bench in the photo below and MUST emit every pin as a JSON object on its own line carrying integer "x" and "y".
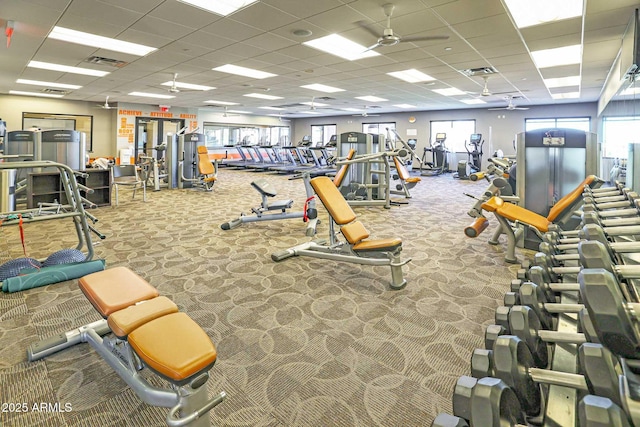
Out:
{"x": 357, "y": 248}
{"x": 407, "y": 181}
{"x": 149, "y": 331}
{"x": 510, "y": 216}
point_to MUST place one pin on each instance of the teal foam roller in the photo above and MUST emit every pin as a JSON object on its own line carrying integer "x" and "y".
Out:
{"x": 53, "y": 274}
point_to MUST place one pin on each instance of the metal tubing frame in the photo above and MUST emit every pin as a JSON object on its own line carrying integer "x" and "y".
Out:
{"x": 193, "y": 403}
{"x": 74, "y": 199}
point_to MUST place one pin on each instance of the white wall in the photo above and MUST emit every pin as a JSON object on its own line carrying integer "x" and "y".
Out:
{"x": 497, "y": 132}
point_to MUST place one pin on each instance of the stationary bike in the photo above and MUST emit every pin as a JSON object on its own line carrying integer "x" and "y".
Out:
{"x": 474, "y": 157}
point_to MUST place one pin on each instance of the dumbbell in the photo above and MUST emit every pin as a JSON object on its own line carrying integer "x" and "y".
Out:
{"x": 593, "y": 254}
{"x": 598, "y": 411}
{"x": 446, "y": 420}
{"x": 592, "y": 232}
{"x": 525, "y": 324}
{"x": 615, "y": 320}
{"x": 486, "y": 402}
{"x": 513, "y": 364}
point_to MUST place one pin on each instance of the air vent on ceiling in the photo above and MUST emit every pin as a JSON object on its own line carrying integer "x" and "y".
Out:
{"x": 324, "y": 98}
{"x": 55, "y": 91}
{"x": 483, "y": 71}
{"x": 106, "y": 61}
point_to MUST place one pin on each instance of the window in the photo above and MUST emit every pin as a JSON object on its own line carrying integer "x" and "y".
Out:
{"x": 580, "y": 123}
{"x": 618, "y": 132}
{"x": 51, "y": 121}
{"x": 378, "y": 128}
{"x": 221, "y": 134}
{"x": 457, "y": 131}
{"x": 322, "y": 133}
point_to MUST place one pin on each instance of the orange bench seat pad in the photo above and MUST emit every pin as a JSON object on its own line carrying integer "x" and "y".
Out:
{"x": 354, "y": 232}
{"x": 333, "y": 200}
{"x": 114, "y": 289}
{"x": 516, "y": 213}
{"x": 174, "y": 346}
{"x": 124, "y": 321}
{"x": 383, "y": 245}
{"x": 565, "y": 202}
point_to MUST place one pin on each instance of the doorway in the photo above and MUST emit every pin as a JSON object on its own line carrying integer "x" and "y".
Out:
{"x": 150, "y": 132}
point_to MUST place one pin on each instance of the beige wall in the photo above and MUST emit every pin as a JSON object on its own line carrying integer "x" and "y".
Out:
{"x": 498, "y": 132}
{"x": 104, "y": 137}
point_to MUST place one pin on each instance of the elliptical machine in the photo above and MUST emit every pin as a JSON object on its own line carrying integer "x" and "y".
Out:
{"x": 474, "y": 157}
{"x": 439, "y": 163}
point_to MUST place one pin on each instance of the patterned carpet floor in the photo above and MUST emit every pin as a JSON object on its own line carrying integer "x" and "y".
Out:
{"x": 302, "y": 342}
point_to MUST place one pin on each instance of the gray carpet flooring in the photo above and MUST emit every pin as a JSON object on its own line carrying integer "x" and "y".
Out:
{"x": 303, "y": 342}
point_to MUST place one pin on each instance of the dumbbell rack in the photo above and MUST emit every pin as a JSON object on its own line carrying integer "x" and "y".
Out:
{"x": 562, "y": 401}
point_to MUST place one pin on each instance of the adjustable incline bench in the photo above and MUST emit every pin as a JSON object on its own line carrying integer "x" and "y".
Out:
{"x": 508, "y": 214}
{"x": 149, "y": 331}
{"x": 357, "y": 249}
{"x": 407, "y": 181}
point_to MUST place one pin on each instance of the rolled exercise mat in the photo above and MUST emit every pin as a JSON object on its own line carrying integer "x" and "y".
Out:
{"x": 53, "y": 274}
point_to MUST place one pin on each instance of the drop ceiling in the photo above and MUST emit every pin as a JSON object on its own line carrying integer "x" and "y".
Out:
{"x": 191, "y": 42}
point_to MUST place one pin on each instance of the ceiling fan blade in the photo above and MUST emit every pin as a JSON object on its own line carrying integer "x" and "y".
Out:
{"x": 424, "y": 38}
{"x": 520, "y": 108}
{"x": 371, "y": 47}
{"x": 498, "y": 108}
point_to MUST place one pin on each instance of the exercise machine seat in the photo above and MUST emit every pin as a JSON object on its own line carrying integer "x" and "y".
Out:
{"x": 342, "y": 172}
{"x": 567, "y": 201}
{"x": 516, "y": 213}
{"x": 205, "y": 167}
{"x": 354, "y": 231}
{"x": 123, "y": 322}
{"x": 264, "y": 188}
{"x": 403, "y": 173}
{"x": 333, "y": 200}
{"x": 153, "y": 344}
{"x": 114, "y": 289}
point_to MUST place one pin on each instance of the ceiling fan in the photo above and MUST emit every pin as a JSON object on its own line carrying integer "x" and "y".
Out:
{"x": 365, "y": 113}
{"x": 173, "y": 88}
{"x": 510, "y": 105}
{"x": 388, "y": 38}
{"x": 106, "y": 105}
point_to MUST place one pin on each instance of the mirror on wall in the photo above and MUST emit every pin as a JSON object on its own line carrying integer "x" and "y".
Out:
{"x": 53, "y": 121}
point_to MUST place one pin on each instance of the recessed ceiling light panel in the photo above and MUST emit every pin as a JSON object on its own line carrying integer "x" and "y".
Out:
{"x": 243, "y": 71}
{"x": 213, "y": 101}
{"x": 450, "y": 91}
{"x": 262, "y": 96}
{"x": 220, "y": 7}
{"x": 323, "y": 88}
{"x": 342, "y": 47}
{"x": 187, "y": 86}
{"x": 562, "y": 81}
{"x": 472, "y": 101}
{"x": 565, "y": 55}
{"x": 371, "y": 98}
{"x": 44, "y": 95}
{"x": 151, "y": 95}
{"x": 88, "y": 39}
{"x": 404, "y": 106}
{"x": 66, "y": 69}
{"x": 47, "y": 84}
{"x": 527, "y": 13}
{"x": 411, "y": 76}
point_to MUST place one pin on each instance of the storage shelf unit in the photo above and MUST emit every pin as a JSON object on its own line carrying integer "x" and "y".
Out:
{"x": 46, "y": 187}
